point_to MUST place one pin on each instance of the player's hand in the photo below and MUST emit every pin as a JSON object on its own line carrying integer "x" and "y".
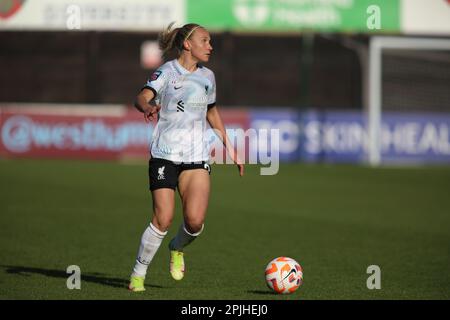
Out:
{"x": 241, "y": 169}
{"x": 150, "y": 112}
{"x": 237, "y": 160}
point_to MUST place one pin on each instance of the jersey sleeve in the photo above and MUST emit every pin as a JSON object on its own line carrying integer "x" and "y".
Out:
{"x": 156, "y": 82}
{"x": 212, "y": 92}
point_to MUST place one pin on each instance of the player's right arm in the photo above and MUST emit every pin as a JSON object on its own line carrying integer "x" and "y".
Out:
{"x": 142, "y": 103}
{"x": 154, "y": 85}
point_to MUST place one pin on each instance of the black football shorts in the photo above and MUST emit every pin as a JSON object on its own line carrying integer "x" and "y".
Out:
{"x": 164, "y": 173}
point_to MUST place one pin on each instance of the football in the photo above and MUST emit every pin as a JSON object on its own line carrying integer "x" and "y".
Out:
{"x": 284, "y": 275}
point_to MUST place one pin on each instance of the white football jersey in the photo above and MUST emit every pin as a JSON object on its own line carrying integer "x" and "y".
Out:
{"x": 185, "y": 97}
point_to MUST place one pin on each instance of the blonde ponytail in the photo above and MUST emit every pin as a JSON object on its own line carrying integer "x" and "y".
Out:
{"x": 170, "y": 39}
{"x": 166, "y": 39}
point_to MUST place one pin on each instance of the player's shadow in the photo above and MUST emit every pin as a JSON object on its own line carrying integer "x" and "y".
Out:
{"x": 95, "y": 277}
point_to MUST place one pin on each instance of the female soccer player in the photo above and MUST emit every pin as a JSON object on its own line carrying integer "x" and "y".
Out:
{"x": 185, "y": 96}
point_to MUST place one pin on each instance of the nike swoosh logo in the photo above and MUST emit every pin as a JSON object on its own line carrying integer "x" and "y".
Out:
{"x": 292, "y": 271}
{"x": 176, "y": 88}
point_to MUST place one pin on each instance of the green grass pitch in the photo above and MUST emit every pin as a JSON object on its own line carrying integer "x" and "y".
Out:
{"x": 335, "y": 220}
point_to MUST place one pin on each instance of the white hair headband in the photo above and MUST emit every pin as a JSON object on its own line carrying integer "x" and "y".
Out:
{"x": 191, "y": 32}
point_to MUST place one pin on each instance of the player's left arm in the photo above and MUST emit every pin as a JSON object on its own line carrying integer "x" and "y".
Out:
{"x": 215, "y": 121}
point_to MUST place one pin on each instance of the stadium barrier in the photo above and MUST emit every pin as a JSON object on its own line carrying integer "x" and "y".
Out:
{"x": 119, "y": 132}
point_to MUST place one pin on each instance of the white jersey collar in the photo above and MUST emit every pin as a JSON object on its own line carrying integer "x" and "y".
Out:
{"x": 182, "y": 69}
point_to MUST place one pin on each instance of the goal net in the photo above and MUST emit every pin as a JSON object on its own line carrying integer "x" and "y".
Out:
{"x": 406, "y": 75}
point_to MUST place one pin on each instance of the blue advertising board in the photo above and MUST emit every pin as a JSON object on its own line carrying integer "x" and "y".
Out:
{"x": 314, "y": 136}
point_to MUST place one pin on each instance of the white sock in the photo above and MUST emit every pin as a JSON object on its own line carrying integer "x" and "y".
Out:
{"x": 183, "y": 238}
{"x": 150, "y": 242}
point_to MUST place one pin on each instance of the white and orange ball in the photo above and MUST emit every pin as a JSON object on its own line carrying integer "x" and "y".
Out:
{"x": 284, "y": 275}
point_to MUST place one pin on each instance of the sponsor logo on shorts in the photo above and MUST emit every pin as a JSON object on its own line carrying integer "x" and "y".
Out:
{"x": 161, "y": 173}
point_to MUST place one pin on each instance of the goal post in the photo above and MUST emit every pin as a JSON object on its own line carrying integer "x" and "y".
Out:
{"x": 377, "y": 45}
